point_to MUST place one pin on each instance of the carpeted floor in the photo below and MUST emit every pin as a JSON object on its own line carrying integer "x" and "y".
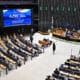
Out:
{"x": 44, "y": 65}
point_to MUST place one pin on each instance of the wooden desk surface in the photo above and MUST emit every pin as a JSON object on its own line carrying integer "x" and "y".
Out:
{"x": 16, "y": 55}
{"x": 2, "y": 66}
{"x": 74, "y": 68}
{"x": 10, "y": 60}
{"x": 3, "y": 45}
{"x": 74, "y": 62}
{"x": 42, "y": 42}
{"x": 20, "y": 42}
{"x": 70, "y": 75}
{"x": 44, "y": 33}
{"x": 29, "y": 54}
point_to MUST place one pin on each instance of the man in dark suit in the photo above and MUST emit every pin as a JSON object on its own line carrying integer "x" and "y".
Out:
{"x": 54, "y": 47}
{"x": 31, "y": 35}
{"x": 31, "y": 38}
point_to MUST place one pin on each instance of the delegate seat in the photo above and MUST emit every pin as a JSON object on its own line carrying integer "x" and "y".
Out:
{"x": 43, "y": 43}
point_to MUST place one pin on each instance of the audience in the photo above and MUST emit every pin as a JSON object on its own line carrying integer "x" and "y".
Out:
{"x": 67, "y": 71}
{"x": 15, "y": 53}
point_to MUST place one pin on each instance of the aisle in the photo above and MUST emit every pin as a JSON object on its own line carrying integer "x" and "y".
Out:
{"x": 41, "y": 66}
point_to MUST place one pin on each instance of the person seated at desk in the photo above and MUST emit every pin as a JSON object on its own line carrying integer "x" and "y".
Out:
{"x": 6, "y": 63}
{"x": 56, "y": 71}
{"x": 48, "y": 41}
{"x": 68, "y": 34}
{"x": 13, "y": 57}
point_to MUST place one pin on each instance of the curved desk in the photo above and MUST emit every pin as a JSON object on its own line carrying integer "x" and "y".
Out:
{"x": 59, "y": 33}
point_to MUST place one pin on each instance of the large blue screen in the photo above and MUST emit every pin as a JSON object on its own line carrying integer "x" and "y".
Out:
{"x": 17, "y": 17}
